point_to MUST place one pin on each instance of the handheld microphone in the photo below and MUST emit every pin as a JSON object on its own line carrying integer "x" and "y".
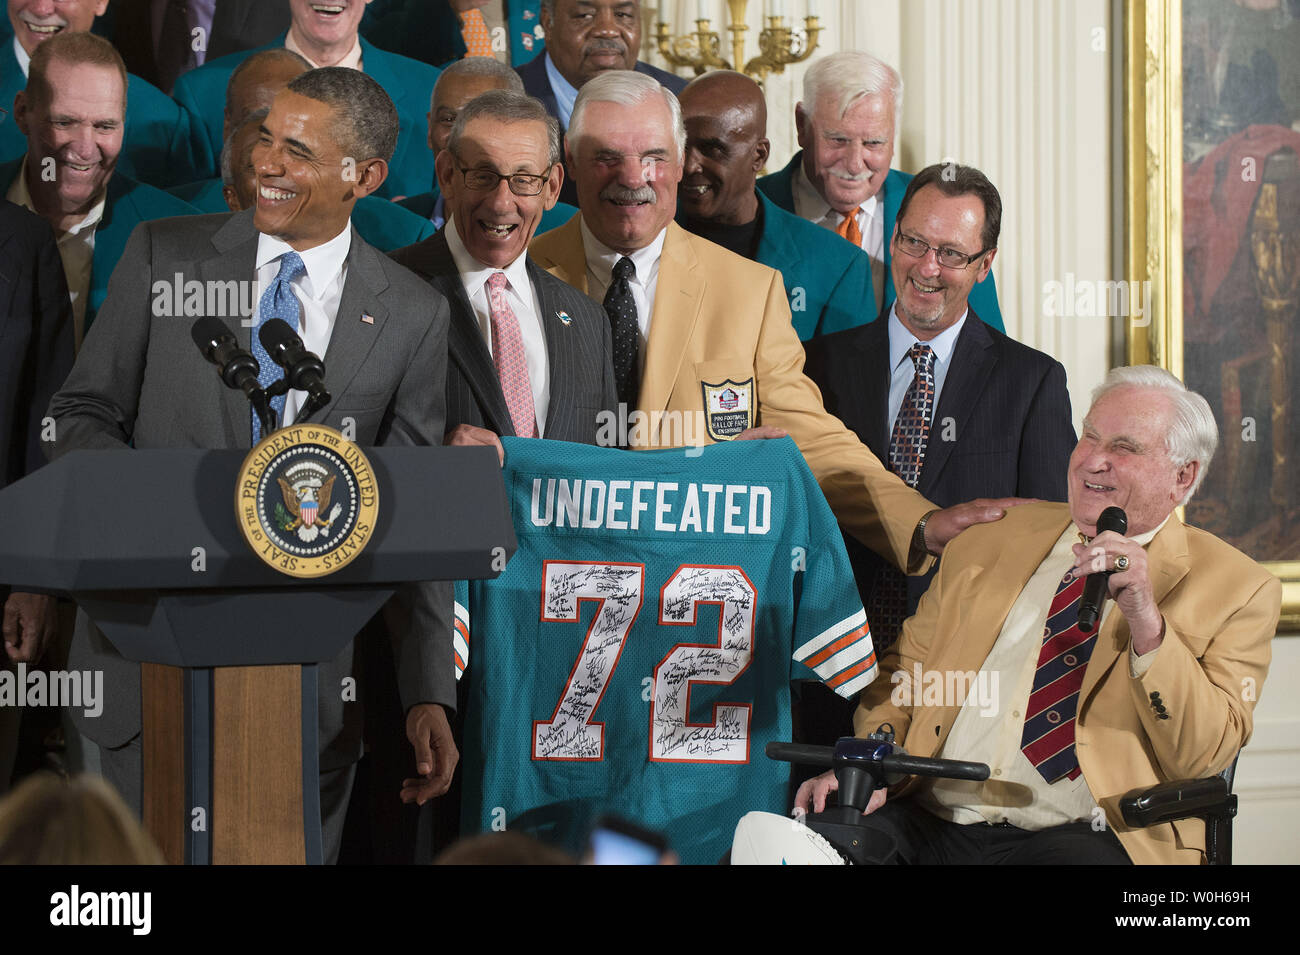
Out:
{"x": 303, "y": 370}
{"x": 1094, "y": 591}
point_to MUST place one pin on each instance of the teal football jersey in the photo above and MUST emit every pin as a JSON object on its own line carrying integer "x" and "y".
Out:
{"x": 636, "y": 654}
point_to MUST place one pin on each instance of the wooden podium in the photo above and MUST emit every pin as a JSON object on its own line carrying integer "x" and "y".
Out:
{"x": 229, "y": 646}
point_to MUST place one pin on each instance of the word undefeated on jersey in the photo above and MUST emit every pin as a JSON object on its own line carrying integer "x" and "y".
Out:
{"x": 636, "y": 654}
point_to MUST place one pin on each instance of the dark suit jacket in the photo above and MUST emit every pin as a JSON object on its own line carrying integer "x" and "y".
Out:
{"x": 538, "y": 84}
{"x": 243, "y": 24}
{"x": 35, "y": 336}
{"x": 582, "y": 376}
{"x": 139, "y": 380}
{"x": 1009, "y": 411}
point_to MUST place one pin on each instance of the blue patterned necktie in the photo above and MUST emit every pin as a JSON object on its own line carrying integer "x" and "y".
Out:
{"x": 278, "y": 301}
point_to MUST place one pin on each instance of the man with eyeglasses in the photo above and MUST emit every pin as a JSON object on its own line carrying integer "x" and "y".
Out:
{"x": 847, "y": 125}
{"x": 952, "y": 406}
{"x": 528, "y": 356}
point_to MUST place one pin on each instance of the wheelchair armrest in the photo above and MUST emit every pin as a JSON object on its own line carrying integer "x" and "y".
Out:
{"x": 1179, "y": 799}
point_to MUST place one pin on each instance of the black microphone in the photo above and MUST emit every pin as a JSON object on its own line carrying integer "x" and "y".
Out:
{"x": 1094, "y": 591}
{"x": 236, "y": 367}
{"x": 303, "y": 370}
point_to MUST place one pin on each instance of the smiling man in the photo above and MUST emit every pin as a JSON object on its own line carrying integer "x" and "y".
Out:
{"x": 954, "y": 407}
{"x": 156, "y": 144}
{"x": 139, "y": 381}
{"x": 72, "y": 115}
{"x": 528, "y": 355}
{"x": 827, "y": 282}
{"x": 847, "y": 125}
{"x": 1163, "y": 688}
{"x": 704, "y": 335}
{"x": 324, "y": 32}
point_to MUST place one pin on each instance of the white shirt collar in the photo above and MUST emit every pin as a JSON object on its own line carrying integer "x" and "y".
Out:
{"x": 352, "y": 60}
{"x": 807, "y": 198}
{"x": 323, "y": 262}
{"x": 473, "y": 273}
{"x": 1141, "y": 539}
{"x": 901, "y": 340}
{"x": 24, "y": 61}
{"x": 601, "y": 259}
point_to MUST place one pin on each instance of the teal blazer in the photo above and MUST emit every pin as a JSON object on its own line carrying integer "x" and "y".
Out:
{"x": 156, "y": 145}
{"x": 429, "y": 30}
{"x": 422, "y": 205}
{"x": 779, "y": 187}
{"x": 409, "y": 83}
{"x": 827, "y": 280}
{"x": 127, "y": 204}
{"x": 383, "y": 224}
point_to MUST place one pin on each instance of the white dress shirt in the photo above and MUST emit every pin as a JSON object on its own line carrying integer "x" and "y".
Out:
{"x": 601, "y": 260}
{"x": 523, "y": 301}
{"x": 24, "y": 61}
{"x": 76, "y": 250}
{"x": 1016, "y": 792}
{"x": 809, "y": 204}
{"x": 319, "y": 290}
{"x": 903, "y": 370}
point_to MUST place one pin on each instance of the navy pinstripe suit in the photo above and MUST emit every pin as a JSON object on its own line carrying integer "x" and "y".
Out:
{"x": 578, "y": 351}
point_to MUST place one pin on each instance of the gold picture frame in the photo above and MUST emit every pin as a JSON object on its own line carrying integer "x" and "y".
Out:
{"x": 1153, "y": 208}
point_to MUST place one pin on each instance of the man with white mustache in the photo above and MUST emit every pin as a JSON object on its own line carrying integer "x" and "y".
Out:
{"x": 847, "y": 125}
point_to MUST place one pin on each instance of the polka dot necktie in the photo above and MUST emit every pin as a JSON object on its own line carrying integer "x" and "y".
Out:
{"x": 887, "y": 606}
{"x": 848, "y": 227}
{"x": 278, "y": 301}
{"x": 478, "y": 41}
{"x": 509, "y": 359}
{"x": 1048, "y": 737}
{"x": 620, "y": 306}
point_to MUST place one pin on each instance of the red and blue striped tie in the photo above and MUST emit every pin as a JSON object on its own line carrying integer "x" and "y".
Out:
{"x": 1048, "y": 737}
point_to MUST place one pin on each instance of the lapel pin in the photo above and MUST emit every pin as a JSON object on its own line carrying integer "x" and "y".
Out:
{"x": 368, "y": 319}
{"x": 564, "y": 318}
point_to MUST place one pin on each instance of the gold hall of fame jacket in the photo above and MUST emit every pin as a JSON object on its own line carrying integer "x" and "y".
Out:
{"x": 1220, "y": 609}
{"x": 723, "y": 356}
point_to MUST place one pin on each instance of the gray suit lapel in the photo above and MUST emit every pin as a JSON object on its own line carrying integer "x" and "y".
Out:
{"x": 235, "y": 245}
{"x": 353, "y": 336}
{"x": 562, "y": 358}
{"x": 465, "y": 344}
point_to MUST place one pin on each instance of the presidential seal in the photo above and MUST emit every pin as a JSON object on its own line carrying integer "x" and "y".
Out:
{"x": 306, "y": 500}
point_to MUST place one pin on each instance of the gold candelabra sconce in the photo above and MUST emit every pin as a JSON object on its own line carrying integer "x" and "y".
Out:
{"x": 778, "y": 43}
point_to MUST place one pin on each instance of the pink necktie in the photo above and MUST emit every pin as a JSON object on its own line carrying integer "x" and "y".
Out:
{"x": 508, "y": 358}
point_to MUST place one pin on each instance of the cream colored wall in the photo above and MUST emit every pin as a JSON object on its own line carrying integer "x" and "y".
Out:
{"x": 1023, "y": 89}
{"x": 1019, "y": 88}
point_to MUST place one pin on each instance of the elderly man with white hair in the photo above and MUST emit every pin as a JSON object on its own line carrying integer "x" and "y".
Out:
{"x": 1163, "y": 688}
{"x": 847, "y": 125}
{"x": 703, "y": 346}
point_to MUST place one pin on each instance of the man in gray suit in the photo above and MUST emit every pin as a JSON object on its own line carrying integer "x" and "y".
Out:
{"x": 139, "y": 381}
{"x": 527, "y": 354}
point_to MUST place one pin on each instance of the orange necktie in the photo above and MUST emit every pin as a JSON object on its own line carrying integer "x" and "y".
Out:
{"x": 478, "y": 42}
{"x": 848, "y": 228}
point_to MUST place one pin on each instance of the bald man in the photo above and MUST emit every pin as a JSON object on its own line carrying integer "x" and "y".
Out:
{"x": 252, "y": 87}
{"x": 828, "y": 282}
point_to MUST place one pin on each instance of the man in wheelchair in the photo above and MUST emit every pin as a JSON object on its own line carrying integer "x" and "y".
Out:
{"x": 997, "y": 667}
